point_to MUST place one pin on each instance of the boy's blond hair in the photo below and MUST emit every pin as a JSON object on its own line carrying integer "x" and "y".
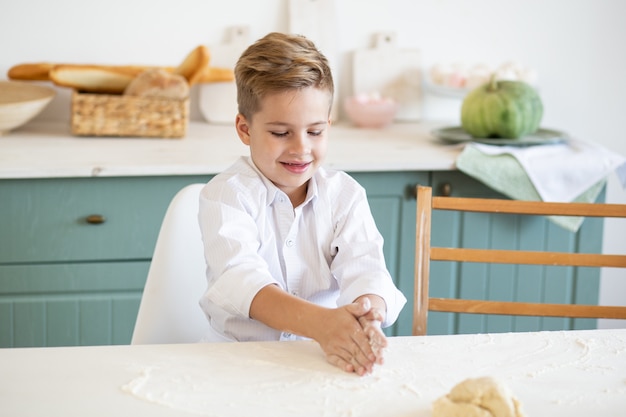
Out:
{"x": 279, "y": 62}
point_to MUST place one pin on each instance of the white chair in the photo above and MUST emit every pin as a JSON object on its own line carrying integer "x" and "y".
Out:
{"x": 169, "y": 311}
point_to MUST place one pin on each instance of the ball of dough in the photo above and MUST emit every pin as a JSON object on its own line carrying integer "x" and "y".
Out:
{"x": 478, "y": 397}
{"x": 158, "y": 83}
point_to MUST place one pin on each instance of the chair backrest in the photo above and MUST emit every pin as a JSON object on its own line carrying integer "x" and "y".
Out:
{"x": 169, "y": 311}
{"x": 425, "y": 253}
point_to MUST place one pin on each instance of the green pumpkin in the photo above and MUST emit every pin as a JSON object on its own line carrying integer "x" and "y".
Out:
{"x": 501, "y": 109}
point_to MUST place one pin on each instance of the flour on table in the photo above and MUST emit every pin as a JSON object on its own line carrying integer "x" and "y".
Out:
{"x": 187, "y": 383}
{"x": 237, "y": 379}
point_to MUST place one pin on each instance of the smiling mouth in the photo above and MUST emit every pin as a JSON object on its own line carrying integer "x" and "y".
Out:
{"x": 296, "y": 167}
{"x": 294, "y": 164}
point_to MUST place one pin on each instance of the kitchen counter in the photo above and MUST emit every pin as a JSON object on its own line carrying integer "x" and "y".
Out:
{"x": 49, "y": 150}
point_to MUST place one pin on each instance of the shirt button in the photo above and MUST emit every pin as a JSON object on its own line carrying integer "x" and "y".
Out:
{"x": 289, "y": 243}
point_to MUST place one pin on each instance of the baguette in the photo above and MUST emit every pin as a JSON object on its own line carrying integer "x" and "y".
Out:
{"x": 194, "y": 64}
{"x": 40, "y": 71}
{"x": 94, "y": 78}
{"x": 31, "y": 72}
{"x": 216, "y": 75}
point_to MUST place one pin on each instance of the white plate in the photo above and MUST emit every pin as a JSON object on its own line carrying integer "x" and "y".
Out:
{"x": 456, "y": 134}
{"x": 445, "y": 91}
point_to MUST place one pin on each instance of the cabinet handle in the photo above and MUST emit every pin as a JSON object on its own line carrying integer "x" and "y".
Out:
{"x": 445, "y": 189}
{"x": 95, "y": 219}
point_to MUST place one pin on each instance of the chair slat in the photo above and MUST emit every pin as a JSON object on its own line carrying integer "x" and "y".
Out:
{"x": 527, "y": 257}
{"x": 526, "y": 309}
{"x": 528, "y": 207}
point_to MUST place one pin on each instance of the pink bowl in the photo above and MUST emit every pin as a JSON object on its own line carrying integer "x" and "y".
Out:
{"x": 370, "y": 113}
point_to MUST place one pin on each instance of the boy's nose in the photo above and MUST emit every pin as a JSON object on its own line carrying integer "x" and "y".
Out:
{"x": 300, "y": 144}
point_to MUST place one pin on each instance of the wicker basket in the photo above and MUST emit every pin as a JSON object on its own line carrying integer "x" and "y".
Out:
{"x": 118, "y": 115}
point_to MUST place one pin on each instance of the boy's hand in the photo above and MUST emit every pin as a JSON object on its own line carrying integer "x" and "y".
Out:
{"x": 372, "y": 326}
{"x": 352, "y": 338}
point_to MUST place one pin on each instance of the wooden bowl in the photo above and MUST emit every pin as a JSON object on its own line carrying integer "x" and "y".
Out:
{"x": 20, "y": 102}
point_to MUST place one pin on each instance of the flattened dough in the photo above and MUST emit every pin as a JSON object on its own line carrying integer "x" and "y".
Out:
{"x": 478, "y": 397}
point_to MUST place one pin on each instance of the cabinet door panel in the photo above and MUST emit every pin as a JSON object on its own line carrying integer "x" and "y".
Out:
{"x": 70, "y": 304}
{"x": 388, "y": 226}
{"x": 28, "y": 320}
{"x": 587, "y": 282}
{"x": 95, "y": 320}
{"x": 61, "y": 321}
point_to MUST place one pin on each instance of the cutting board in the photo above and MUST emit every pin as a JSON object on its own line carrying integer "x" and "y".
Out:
{"x": 316, "y": 19}
{"x": 391, "y": 72}
{"x": 218, "y": 101}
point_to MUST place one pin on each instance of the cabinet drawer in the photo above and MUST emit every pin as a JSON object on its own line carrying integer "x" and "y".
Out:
{"x": 45, "y": 220}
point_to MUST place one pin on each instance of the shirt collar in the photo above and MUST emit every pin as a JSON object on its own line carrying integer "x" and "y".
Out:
{"x": 274, "y": 193}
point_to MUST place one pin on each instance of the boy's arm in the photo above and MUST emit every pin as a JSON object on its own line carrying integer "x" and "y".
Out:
{"x": 338, "y": 330}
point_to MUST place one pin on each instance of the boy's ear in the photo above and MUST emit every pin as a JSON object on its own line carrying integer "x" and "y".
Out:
{"x": 243, "y": 129}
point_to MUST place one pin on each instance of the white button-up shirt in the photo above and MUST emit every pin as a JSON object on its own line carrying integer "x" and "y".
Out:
{"x": 327, "y": 250}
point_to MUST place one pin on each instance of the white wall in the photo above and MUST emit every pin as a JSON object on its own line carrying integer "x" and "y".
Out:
{"x": 576, "y": 46}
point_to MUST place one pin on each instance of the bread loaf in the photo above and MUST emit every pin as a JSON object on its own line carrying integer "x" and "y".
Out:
{"x": 158, "y": 83}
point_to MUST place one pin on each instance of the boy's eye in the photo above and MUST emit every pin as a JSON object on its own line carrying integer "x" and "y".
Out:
{"x": 285, "y": 134}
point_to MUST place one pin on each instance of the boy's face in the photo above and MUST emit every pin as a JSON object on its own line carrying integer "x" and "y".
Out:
{"x": 288, "y": 138}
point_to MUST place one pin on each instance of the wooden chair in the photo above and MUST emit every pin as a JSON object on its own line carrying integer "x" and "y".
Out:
{"x": 425, "y": 253}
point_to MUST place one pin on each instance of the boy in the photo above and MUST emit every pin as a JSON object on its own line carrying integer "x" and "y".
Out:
{"x": 292, "y": 249}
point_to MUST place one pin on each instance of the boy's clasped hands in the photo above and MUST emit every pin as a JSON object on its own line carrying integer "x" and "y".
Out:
{"x": 352, "y": 337}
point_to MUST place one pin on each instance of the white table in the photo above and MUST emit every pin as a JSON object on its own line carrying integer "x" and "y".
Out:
{"x": 576, "y": 373}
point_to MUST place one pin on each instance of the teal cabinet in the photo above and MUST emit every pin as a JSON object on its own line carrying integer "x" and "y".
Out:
{"x": 65, "y": 281}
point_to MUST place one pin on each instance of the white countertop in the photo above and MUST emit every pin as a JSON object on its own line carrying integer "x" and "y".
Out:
{"x": 48, "y": 150}
{"x": 557, "y": 374}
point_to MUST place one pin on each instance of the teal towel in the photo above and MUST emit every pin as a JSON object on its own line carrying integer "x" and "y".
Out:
{"x": 504, "y": 174}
